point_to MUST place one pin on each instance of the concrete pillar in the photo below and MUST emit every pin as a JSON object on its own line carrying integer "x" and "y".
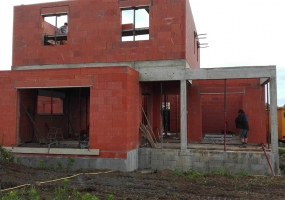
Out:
{"x": 183, "y": 115}
{"x": 274, "y": 125}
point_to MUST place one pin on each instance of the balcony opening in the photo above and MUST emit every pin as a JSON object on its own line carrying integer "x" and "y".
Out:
{"x": 135, "y": 24}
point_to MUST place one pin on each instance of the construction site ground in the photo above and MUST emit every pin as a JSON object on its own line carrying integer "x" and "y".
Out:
{"x": 148, "y": 185}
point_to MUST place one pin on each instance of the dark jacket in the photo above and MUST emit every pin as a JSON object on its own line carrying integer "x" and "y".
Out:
{"x": 242, "y": 121}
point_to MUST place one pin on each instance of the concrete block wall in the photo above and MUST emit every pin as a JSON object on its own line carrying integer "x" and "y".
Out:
{"x": 204, "y": 160}
{"x": 130, "y": 163}
{"x": 95, "y": 33}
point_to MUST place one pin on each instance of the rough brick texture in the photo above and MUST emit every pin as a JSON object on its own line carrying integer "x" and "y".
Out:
{"x": 95, "y": 33}
{"x": 246, "y": 94}
{"x": 114, "y": 105}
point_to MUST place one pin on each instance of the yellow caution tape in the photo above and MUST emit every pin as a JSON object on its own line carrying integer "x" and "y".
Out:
{"x": 39, "y": 183}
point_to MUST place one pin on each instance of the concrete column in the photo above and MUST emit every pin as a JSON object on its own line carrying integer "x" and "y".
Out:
{"x": 274, "y": 125}
{"x": 183, "y": 115}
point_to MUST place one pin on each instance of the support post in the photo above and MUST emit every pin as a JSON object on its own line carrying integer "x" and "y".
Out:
{"x": 183, "y": 115}
{"x": 274, "y": 125}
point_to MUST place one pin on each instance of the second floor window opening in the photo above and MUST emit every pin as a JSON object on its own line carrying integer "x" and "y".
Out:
{"x": 55, "y": 29}
{"x": 135, "y": 24}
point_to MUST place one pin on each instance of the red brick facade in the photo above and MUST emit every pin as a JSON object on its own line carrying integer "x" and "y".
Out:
{"x": 106, "y": 100}
{"x": 95, "y": 29}
{"x": 114, "y": 105}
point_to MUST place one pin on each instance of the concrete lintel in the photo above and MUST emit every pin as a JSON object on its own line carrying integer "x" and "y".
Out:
{"x": 65, "y": 66}
{"x": 162, "y": 73}
{"x": 135, "y": 65}
{"x": 160, "y": 63}
{"x": 55, "y": 151}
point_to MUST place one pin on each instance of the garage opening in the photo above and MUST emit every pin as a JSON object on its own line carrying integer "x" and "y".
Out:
{"x": 58, "y": 117}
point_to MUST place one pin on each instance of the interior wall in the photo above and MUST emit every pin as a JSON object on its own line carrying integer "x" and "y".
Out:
{"x": 194, "y": 118}
{"x": 27, "y": 99}
{"x": 174, "y": 101}
{"x": 246, "y": 94}
{"x": 213, "y": 112}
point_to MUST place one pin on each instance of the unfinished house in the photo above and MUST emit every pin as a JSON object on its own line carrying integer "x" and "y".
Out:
{"x": 123, "y": 90}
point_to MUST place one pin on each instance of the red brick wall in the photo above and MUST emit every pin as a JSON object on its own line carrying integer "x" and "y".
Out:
{"x": 174, "y": 113}
{"x": 192, "y": 52}
{"x": 246, "y": 94}
{"x": 94, "y": 34}
{"x": 114, "y": 103}
{"x": 48, "y": 29}
{"x": 27, "y": 99}
{"x": 194, "y": 119}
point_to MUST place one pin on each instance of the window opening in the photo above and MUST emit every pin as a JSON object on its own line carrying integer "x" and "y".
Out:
{"x": 135, "y": 24}
{"x": 49, "y": 102}
{"x": 55, "y": 29}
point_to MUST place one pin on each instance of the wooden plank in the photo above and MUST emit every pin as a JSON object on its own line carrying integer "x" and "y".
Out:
{"x": 149, "y": 126}
{"x": 147, "y": 136}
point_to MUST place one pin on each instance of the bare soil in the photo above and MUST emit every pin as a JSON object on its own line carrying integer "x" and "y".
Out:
{"x": 145, "y": 185}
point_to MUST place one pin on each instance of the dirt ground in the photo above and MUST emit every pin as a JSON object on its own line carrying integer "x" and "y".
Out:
{"x": 145, "y": 185}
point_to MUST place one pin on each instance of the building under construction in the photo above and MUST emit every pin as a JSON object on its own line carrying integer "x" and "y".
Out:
{"x": 123, "y": 90}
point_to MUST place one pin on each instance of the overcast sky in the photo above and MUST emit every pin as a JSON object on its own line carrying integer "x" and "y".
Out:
{"x": 239, "y": 33}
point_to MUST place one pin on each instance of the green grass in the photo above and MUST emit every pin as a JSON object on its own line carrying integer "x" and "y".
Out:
{"x": 6, "y": 155}
{"x": 189, "y": 174}
{"x": 60, "y": 193}
{"x": 192, "y": 173}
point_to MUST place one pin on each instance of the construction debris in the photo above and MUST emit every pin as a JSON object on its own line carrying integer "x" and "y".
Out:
{"x": 147, "y": 135}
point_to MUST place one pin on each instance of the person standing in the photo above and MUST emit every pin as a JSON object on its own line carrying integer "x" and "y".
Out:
{"x": 242, "y": 125}
{"x": 64, "y": 29}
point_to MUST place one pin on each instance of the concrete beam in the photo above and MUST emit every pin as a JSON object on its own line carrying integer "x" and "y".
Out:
{"x": 163, "y": 73}
{"x": 231, "y": 72}
{"x": 179, "y": 69}
{"x": 136, "y": 65}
